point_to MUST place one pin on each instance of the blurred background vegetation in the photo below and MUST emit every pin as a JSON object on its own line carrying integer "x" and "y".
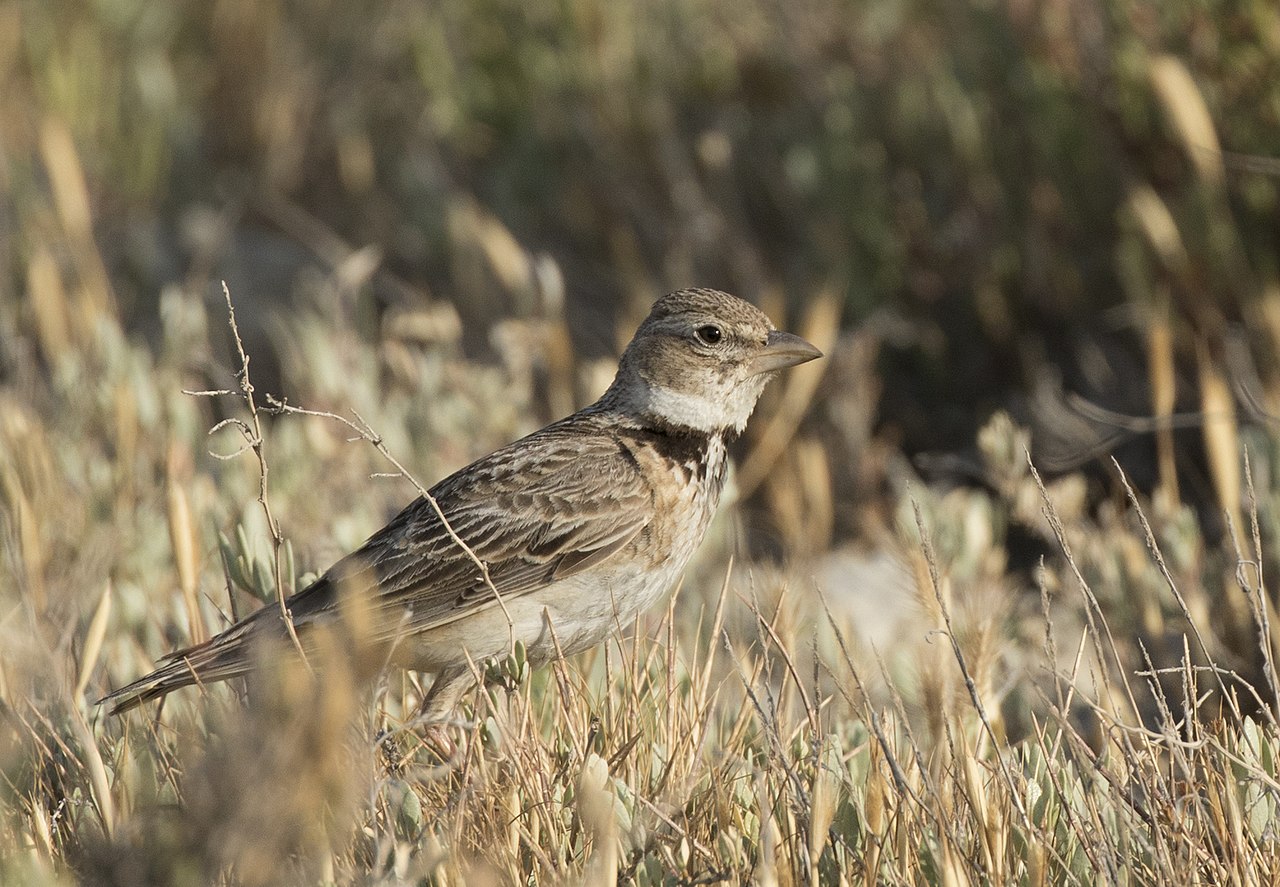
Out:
{"x": 1039, "y": 223}
{"x": 1020, "y": 202}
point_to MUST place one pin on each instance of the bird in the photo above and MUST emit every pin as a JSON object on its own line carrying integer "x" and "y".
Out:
{"x": 569, "y": 532}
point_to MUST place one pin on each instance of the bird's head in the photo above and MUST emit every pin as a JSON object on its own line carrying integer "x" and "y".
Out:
{"x": 700, "y": 361}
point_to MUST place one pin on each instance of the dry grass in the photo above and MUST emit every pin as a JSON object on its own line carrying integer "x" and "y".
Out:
{"x": 749, "y": 733}
{"x": 977, "y": 675}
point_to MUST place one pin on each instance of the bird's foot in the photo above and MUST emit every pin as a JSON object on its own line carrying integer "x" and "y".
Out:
{"x": 437, "y": 739}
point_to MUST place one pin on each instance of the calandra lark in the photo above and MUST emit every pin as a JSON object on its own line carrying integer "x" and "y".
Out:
{"x": 581, "y": 525}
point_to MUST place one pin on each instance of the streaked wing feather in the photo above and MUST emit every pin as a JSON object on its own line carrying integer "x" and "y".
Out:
{"x": 585, "y": 558}
{"x": 532, "y": 512}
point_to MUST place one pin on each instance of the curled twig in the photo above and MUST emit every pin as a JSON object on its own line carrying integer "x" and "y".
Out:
{"x": 255, "y": 441}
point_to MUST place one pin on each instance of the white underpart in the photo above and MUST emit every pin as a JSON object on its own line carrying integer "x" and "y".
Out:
{"x": 720, "y": 407}
{"x": 696, "y": 411}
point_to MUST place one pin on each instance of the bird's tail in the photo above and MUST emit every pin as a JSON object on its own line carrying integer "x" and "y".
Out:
{"x": 226, "y": 656}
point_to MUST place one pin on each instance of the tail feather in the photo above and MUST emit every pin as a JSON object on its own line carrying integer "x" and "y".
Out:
{"x": 217, "y": 659}
{"x": 225, "y": 656}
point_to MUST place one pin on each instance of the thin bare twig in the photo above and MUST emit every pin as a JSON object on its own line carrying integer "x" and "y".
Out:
{"x": 252, "y": 431}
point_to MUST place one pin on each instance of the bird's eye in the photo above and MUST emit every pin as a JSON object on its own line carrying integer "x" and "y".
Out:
{"x": 708, "y": 334}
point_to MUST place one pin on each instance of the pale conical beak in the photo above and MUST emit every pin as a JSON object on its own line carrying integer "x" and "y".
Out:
{"x": 782, "y": 350}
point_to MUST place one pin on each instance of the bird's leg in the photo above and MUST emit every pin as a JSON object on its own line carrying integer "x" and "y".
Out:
{"x": 438, "y": 704}
{"x": 438, "y": 740}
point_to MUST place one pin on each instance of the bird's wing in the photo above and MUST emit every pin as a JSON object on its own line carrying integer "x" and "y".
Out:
{"x": 545, "y": 508}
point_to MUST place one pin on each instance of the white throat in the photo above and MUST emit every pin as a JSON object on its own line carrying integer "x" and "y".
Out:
{"x": 711, "y": 412}
{"x": 696, "y": 411}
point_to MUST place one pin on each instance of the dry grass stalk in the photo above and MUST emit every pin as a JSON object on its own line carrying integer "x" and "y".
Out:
{"x": 1162, "y": 379}
{"x": 1221, "y": 430}
{"x": 708, "y": 760}
{"x": 1185, "y": 105}
{"x": 71, "y": 200}
{"x": 52, "y": 314}
{"x": 182, "y": 537}
{"x": 31, "y": 549}
{"x": 93, "y": 642}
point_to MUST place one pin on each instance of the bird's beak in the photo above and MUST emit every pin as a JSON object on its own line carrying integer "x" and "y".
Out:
{"x": 782, "y": 350}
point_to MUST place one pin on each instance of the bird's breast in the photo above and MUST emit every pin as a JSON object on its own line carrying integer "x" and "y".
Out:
{"x": 687, "y": 476}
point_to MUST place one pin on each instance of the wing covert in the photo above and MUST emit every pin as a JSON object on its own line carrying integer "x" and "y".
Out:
{"x": 532, "y": 512}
